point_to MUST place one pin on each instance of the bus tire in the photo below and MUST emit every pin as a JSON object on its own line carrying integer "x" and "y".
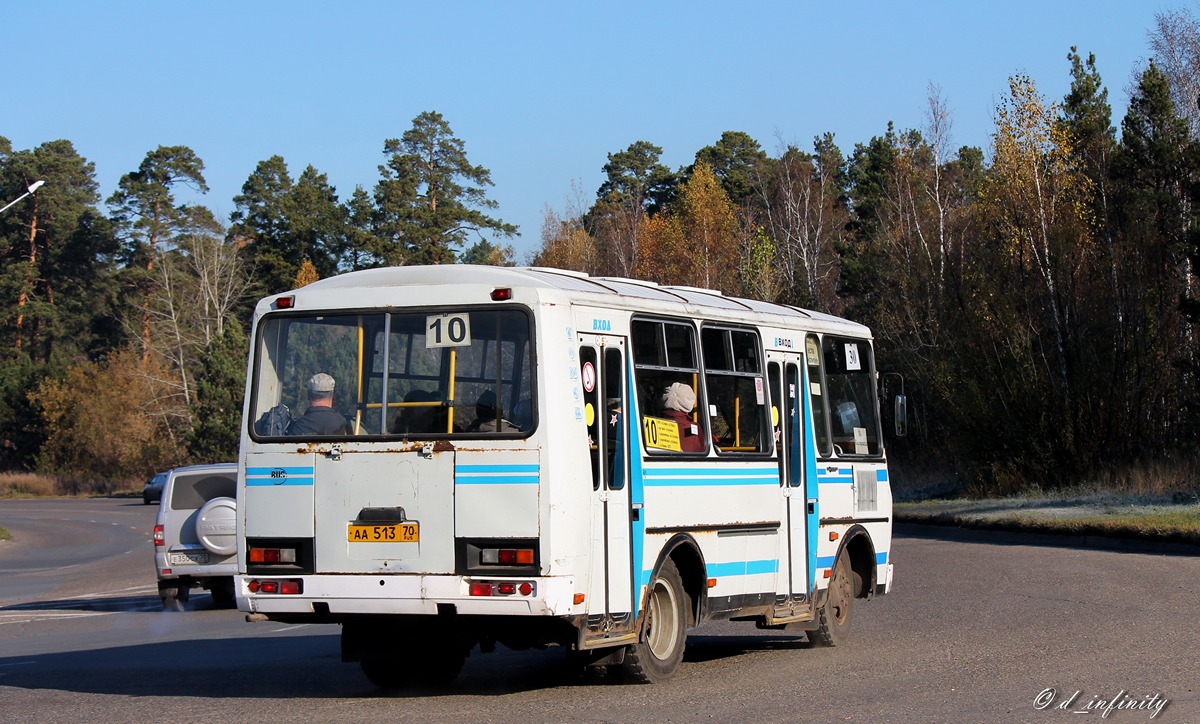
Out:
{"x": 837, "y": 613}
{"x": 222, "y": 593}
{"x": 387, "y": 673}
{"x": 432, "y": 662}
{"x": 658, "y": 654}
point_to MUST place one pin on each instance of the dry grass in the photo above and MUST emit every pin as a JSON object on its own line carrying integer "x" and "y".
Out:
{"x": 1172, "y": 480}
{"x": 1108, "y": 516}
{"x": 35, "y": 485}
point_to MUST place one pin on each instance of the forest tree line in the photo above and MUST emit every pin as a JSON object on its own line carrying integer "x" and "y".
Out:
{"x": 1040, "y": 299}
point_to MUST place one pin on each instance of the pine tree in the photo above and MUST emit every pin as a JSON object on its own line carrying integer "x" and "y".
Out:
{"x": 430, "y": 198}
{"x": 220, "y": 389}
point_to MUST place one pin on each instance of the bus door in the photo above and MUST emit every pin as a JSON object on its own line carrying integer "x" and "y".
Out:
{"x": 787, "y": 416}
{"x": 602, "y": 379}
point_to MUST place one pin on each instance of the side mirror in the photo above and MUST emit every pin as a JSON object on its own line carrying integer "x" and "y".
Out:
{"x": 893, "y": 386}
{"x": 901, "y": 408}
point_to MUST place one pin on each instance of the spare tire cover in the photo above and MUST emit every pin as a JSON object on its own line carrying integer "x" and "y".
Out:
{"x": 216, "y": 526}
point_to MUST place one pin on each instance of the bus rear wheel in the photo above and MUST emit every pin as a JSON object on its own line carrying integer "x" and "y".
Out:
{"x": 433, "y": 655}
{"x": 657, "y": 656}
{"x": 837, "y": 613}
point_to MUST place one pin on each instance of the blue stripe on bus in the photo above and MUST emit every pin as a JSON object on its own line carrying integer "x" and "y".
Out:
{"x": 286, "y": 471}
{"x": 838, "y": 480}
{"x": 496, "y": 480}
{"x": 711, "y": 476}
{"x": 742, "y": 568}
{"x": 276, "y": 482}
{"x": 881, "y": 475}
{"x": 482, "y": 469}
{"x": 497, "y": 474}
{"x": 265, "y": 476}
{"x": 827, "y": 561}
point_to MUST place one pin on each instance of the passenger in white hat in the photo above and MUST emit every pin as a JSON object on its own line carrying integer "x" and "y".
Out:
{"x": 678, "y": 400}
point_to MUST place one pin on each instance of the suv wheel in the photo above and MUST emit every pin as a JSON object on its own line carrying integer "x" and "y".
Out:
{"x": 174, "y": 596}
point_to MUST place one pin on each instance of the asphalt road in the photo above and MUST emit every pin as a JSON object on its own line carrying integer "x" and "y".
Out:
{"x": 976, "y": 631}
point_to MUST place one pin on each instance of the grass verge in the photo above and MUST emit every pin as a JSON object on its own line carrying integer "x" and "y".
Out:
{"x": 35, "y": 485}
{"x": 1113, "y": 519}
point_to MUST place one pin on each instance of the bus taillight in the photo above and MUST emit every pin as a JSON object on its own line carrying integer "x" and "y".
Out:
{"x": 501, "y": 588}
{"x": 506, "y": 556}
{"x": 286, "y": 586}
{"x": 272, "y": 555}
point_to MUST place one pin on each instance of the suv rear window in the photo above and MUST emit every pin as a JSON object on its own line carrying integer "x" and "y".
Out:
{"x": 193, "y": 491}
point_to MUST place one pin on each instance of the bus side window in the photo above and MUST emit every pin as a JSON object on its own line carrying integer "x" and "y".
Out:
{"x": 613, "y": 420}
{"x": 593, "y": 413}
{"x": 850, "y": 394}
{"x": 816, "y": 395}
{"x": 664, "y": 355}
{"x": 733, "y": 377}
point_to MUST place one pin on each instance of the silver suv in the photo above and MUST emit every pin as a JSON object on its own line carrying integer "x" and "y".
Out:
{"x": 195, "y": 541}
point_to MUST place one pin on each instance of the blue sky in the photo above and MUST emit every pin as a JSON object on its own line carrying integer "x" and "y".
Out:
{"x": 540, "y": 92}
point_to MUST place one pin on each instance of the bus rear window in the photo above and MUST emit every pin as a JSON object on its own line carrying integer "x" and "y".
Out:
{"x": 428, "y": 374}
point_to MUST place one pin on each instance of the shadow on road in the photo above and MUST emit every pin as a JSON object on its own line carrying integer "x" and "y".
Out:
{"x": 310, "y": 666}
{"x": 114, "y": 604}
{"x": 109, "y": 604}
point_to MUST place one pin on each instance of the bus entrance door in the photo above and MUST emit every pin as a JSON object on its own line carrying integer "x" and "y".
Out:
{"x": 603, "y": 384}
{"x": 793, "y": 586}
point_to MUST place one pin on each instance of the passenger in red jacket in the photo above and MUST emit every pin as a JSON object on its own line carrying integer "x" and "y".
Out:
{"x": 678, "y": 401}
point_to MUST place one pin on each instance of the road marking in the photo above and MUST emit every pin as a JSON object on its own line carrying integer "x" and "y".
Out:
{"x": 31, "y": 616}
{"x": 69, "y": 607}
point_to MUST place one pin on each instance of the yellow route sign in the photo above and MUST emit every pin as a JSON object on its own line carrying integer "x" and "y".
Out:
{"x": 661, "y": 434}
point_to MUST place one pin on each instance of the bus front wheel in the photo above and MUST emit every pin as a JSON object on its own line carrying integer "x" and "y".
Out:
{"x": 657, "y": 656}
{"x": 837, "y": 613}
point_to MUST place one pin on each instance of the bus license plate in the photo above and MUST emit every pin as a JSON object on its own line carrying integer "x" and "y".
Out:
{"x": 395, "y": 533}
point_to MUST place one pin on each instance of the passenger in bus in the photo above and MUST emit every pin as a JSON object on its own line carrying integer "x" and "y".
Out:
{"x": 320, "y": 418}
{"x": 489, "y": 417}
{"x": 419, "y": 418}
{"x": 677, "y": 401}
{"x": 523, "y": 414}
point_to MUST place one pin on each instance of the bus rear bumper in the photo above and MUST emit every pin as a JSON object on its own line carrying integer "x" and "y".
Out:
{"x": 333, "y": 595}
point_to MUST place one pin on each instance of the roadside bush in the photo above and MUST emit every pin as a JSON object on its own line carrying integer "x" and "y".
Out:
{"x": 108, "y": 421}
{"x": 21, "y": 485}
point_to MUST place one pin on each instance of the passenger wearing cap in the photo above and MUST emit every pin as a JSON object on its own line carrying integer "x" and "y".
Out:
{"x": 320, "y": 418}
{"x": 678, "y": 401}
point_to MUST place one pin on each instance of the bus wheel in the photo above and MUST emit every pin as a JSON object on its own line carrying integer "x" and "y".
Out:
{"x": 387, "y": 673}
{"x": 222, "y": 594}
{"x": 835, "y": 616}
{"x": 656, "y": 657}
{"x": 436, "y": 666}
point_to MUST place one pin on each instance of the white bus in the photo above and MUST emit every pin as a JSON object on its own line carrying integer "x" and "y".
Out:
{"x": 511, "y": 463}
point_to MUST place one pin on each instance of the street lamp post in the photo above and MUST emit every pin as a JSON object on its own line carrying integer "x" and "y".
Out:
{"x": 32, "y": 187}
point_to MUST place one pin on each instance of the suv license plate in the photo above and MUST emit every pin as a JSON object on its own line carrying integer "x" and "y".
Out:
{"x": 396, "y": 533}
{"x": 187, "y": 559}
